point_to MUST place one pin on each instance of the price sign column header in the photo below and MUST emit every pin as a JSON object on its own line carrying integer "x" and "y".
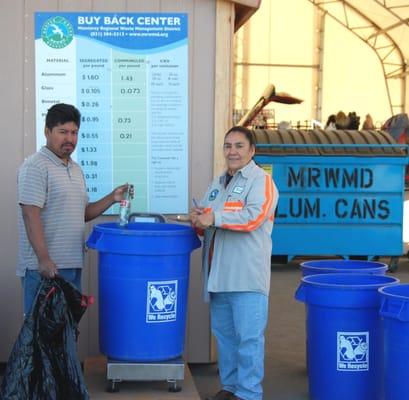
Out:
{"x": 128, "y": 76}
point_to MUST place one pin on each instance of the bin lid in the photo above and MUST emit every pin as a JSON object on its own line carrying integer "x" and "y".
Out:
{"x": 143, "y": 238}
{"x": 319, "y": 142}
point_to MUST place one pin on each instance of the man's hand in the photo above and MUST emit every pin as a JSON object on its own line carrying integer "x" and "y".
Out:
{"x": 96, "y": 208}
{"x": 47, "y": 269}
{"x": 119, "y": 192}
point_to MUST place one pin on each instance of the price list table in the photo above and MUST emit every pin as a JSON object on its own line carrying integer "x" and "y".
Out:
{"x": 128, "y": 78}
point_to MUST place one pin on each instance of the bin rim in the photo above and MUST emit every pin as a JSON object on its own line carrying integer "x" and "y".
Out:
{"x": 372, "y": 265}
{"x": 114, "y": 228}
{"x": 383, "y": 291}
{"x": 306, "y": 280}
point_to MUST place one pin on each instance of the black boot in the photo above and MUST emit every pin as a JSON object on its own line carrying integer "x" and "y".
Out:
{"x": 222, "y": 395}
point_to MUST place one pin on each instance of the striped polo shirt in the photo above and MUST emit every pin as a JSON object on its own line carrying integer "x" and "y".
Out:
{"x": 59, "y": 190}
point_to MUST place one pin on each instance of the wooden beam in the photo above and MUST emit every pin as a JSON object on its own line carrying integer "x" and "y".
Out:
{"x": 248, "y": 3}
{"x": 223, "y": 79}
{"x": 243, "y": 14}
{"x": 244, "y": 9}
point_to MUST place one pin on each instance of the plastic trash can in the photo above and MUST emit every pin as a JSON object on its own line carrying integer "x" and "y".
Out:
{"x": 344, "y": 337}
{"x": 314, "y": 267}
{"x": 343, "y": 266}
{"x": 143, "y": 289}
{"x": 395, "y": 322}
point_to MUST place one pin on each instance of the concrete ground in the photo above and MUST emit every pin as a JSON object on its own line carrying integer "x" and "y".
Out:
{"x": 285, "y": 371}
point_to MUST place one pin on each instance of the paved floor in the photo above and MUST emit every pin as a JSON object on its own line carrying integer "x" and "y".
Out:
{"x": 285, "y": 371}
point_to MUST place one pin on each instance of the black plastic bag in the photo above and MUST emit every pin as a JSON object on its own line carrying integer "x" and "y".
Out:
{"x": 43, "y": 363}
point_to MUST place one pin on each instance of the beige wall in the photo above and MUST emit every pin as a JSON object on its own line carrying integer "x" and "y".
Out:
{"x": 11, "y": 155}
{"x": 17, "y": 112}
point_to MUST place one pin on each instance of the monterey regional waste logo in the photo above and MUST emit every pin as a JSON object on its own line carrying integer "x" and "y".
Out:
{"x": 161, "y": 303}
{"x": 57, "y": 32}
{"x": 353, "y": 351}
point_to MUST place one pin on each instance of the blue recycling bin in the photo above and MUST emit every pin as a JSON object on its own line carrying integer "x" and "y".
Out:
{"x": 143, "y": 289}
{"x": 344, "y": 336}
{"x": 395, "y": 321}
{"x": 342, "y": 266}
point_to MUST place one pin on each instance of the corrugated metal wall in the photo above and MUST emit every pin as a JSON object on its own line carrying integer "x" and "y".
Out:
{"x": 17, "y": 112}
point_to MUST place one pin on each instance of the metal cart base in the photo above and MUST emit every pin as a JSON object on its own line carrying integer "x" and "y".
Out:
{"x": 171, "y": 371}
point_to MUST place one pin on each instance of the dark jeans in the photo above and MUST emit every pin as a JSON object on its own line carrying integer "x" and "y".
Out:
{"x": 31, "y": 282}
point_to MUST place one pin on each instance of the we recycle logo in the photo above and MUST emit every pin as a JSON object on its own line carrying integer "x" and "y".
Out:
{"x": 161, "y": 303}
{"x": 57, "y": 32}
{"x": 352, "y": 351}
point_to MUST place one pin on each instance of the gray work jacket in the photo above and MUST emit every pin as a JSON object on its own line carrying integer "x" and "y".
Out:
{"x": 244, "y": 214}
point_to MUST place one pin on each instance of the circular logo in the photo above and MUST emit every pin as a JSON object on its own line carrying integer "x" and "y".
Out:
{"x": 57, "y": 32}
{"x": 213, "y": 194}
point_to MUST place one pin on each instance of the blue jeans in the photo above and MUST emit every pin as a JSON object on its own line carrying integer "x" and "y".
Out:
{"x": 238, "y": 322}
{"x": 31, "y": 283}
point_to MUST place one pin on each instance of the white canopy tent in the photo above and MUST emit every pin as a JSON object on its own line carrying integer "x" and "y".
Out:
{"x": 336, "y": 54}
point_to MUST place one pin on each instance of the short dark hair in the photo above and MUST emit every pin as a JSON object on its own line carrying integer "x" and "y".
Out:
{"x": 246, "y": 132}
{"x": 60, "y": 114}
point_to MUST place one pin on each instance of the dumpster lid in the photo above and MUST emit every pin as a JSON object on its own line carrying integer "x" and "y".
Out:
{"x": 319, "y": 142}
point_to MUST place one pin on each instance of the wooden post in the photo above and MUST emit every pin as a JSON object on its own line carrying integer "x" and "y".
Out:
{"x": 223, "y": 79}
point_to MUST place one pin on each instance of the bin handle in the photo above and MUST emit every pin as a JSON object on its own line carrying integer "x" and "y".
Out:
{"x": 396, "y": 312}
{"x": 300, "y": 294}
{"x": 93, "y": 240}
{"x": 156, "y": 216}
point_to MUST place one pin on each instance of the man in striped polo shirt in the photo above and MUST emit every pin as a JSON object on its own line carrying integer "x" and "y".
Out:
{"x": 54, "y": 206}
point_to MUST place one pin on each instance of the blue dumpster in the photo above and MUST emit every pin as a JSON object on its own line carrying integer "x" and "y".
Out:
{"x": 342, "y": 266}
{"x": 344, "y": 337}
{"x": 395, "y": 322}
{"x": 143, "y": 288}
{"x": 341, "y": 192}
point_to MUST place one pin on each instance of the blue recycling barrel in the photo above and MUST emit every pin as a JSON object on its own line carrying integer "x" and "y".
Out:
{"x": 395, "y": 322}
{"x": 342, "y": 266}
{"x": 344, "y": 337}
{"x": 143, "y": 288}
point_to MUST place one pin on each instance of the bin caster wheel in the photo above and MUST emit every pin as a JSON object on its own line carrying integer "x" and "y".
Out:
{"x": 393, "y": 265}
{"x": 113, "y": 387}
{"x": 174, "y": 387}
